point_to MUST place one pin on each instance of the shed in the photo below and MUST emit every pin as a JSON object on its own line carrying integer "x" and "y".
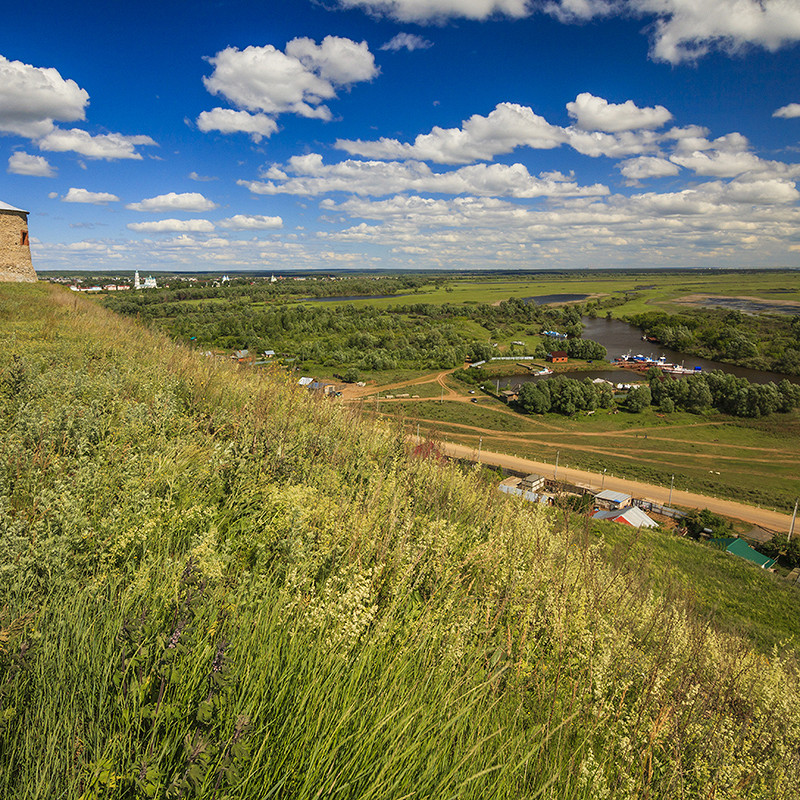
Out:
{"x": 532, "y": 482}
{"x": 15, "y": 251}
{"x": 613, "y": 500}
{"x": 557, "y": 357}
{"x": 758, "y": 535}
{"x": 738, "y": 547}
{"x": 632, "y": 516}
{"x": 531, "y": 497}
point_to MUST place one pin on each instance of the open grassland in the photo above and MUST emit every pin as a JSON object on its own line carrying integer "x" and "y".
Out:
{"x": 216, "y": 585}
{"x": 645, "y": 290}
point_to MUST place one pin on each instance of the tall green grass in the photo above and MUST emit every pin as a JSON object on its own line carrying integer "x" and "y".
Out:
{"x": 217, "y": 585}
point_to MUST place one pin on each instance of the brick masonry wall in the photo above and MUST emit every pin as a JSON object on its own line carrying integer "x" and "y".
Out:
{"x": 15, "y": 258}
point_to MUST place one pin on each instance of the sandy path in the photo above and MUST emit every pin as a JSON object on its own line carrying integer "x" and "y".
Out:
{"x": 352, "y": 392}
{"x": 771, "y": 520}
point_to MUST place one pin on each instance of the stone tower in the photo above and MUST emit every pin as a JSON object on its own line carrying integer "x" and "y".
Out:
{"x": 15, "y": 251}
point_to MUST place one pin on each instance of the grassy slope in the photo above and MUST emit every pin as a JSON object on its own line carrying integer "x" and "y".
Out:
{"x": 215, "y": 585}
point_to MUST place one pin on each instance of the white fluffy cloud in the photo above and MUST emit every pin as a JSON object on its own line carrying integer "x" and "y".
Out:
{"x": 32, "y": 97}
{"x": 25, "y": 164}
{"x": 406, "y": 41}
{"x": 636, "y": 169}
{"x": 511, "y": 125}
{"x": 612, "y": 145}
{"x": 507, "y": 127}
{"x": 251, "y": 222}
{"x": 85, "y": 196}
{"x": 107, "y": 146}
{"x": 596, "y": 114}
{"x": 226, "y": 120}
{"x": 310, "y": 177}
{"x": 173, "y": 226}
{"x": 788, "y": 112}
{"x": 685, "y": 30}
{"x": 338, "y": 60}
{"x": 266, "y": 80}
{"x": 435, "y": 10}
{"x": 172, "y": 201}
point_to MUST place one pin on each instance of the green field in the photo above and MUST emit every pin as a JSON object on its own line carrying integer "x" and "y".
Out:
{"x": 751, "y": 461}
{"x": 667, "y": 286}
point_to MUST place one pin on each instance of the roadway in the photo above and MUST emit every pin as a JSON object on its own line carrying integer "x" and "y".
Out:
{"x": 771, "y": 520}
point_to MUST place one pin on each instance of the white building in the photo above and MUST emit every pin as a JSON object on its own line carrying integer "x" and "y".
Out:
{"x": 149, "y": 282}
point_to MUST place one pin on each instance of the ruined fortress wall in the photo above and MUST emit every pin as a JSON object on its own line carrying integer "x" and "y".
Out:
{"x": 15, "y": 252}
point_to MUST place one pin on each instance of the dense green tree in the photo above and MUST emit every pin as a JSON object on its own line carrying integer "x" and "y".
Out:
{"x": 637, "y": 399}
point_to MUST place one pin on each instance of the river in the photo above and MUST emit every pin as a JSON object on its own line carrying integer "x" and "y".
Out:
{"x": 544, "y": 299}
{"x": 620, "y": 338}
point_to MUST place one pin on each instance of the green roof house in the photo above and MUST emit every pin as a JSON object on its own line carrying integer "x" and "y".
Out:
{"x": 740, "y": 548}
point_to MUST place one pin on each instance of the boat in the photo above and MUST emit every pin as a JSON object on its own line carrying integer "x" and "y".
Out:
{"x": 544, "y": 371}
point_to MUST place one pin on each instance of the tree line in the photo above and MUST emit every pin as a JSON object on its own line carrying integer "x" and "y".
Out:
{"x": 714, "y": 391}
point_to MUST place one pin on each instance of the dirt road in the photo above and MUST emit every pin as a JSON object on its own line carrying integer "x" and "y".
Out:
{"x": 771, "y": 520}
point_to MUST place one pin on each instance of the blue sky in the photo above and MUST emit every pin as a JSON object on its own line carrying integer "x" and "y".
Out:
{"x": 416, "y": 134}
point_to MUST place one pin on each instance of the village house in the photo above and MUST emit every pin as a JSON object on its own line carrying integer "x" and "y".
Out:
{"x": 614, "y": 501}
{"x": 15, "y": 251}
{"x": 632, "y": 515}
{"x": 738, "y": 547}
{"x": 557, "y": 357}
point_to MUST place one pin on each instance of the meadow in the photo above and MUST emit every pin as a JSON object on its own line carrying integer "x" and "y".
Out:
{"x": 216, "y": 584}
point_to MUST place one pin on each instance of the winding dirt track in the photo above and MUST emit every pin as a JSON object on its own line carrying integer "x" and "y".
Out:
{"x": 772, "y": 520}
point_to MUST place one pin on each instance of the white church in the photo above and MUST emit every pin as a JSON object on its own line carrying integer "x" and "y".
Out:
{"x": 148, "y": 283}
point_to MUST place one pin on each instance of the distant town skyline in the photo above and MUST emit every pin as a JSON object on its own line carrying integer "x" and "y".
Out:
{"x": 404, "y": 134}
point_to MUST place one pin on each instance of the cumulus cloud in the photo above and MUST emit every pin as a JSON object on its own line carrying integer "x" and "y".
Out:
{"x": 25, "y": 164}
{"x": 251, "y": 222}
{"x": 172, "y": 201}
{"x": 612, "y": 145}
{"x": 406, "y": 41}
{"x": 437, "y": 10}
{"x": 507, "y": 127}
{"x": 31, "y": 98}
{"x": 788, "y": 112}
{"x": 636, "y": 169}
{"x": 226, "y": 120}
{"x": 685, "y": 31}
{"x": 727, "y": 156}
{"x": 106, "y": 146}
{"x": 85, "y": 196}
{"x": 596, "y": 114}
{"x": 310, "y": 177}
{"x": 195, "y": 176}
{"x": 265, "y": 80}
{"x": 338, "y": 60}
{"x": 681, "y": 30}
{"x": 173, "y": 226}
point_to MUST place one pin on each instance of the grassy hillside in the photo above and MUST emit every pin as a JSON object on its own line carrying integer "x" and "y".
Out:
{"x": 216, "y": 585}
